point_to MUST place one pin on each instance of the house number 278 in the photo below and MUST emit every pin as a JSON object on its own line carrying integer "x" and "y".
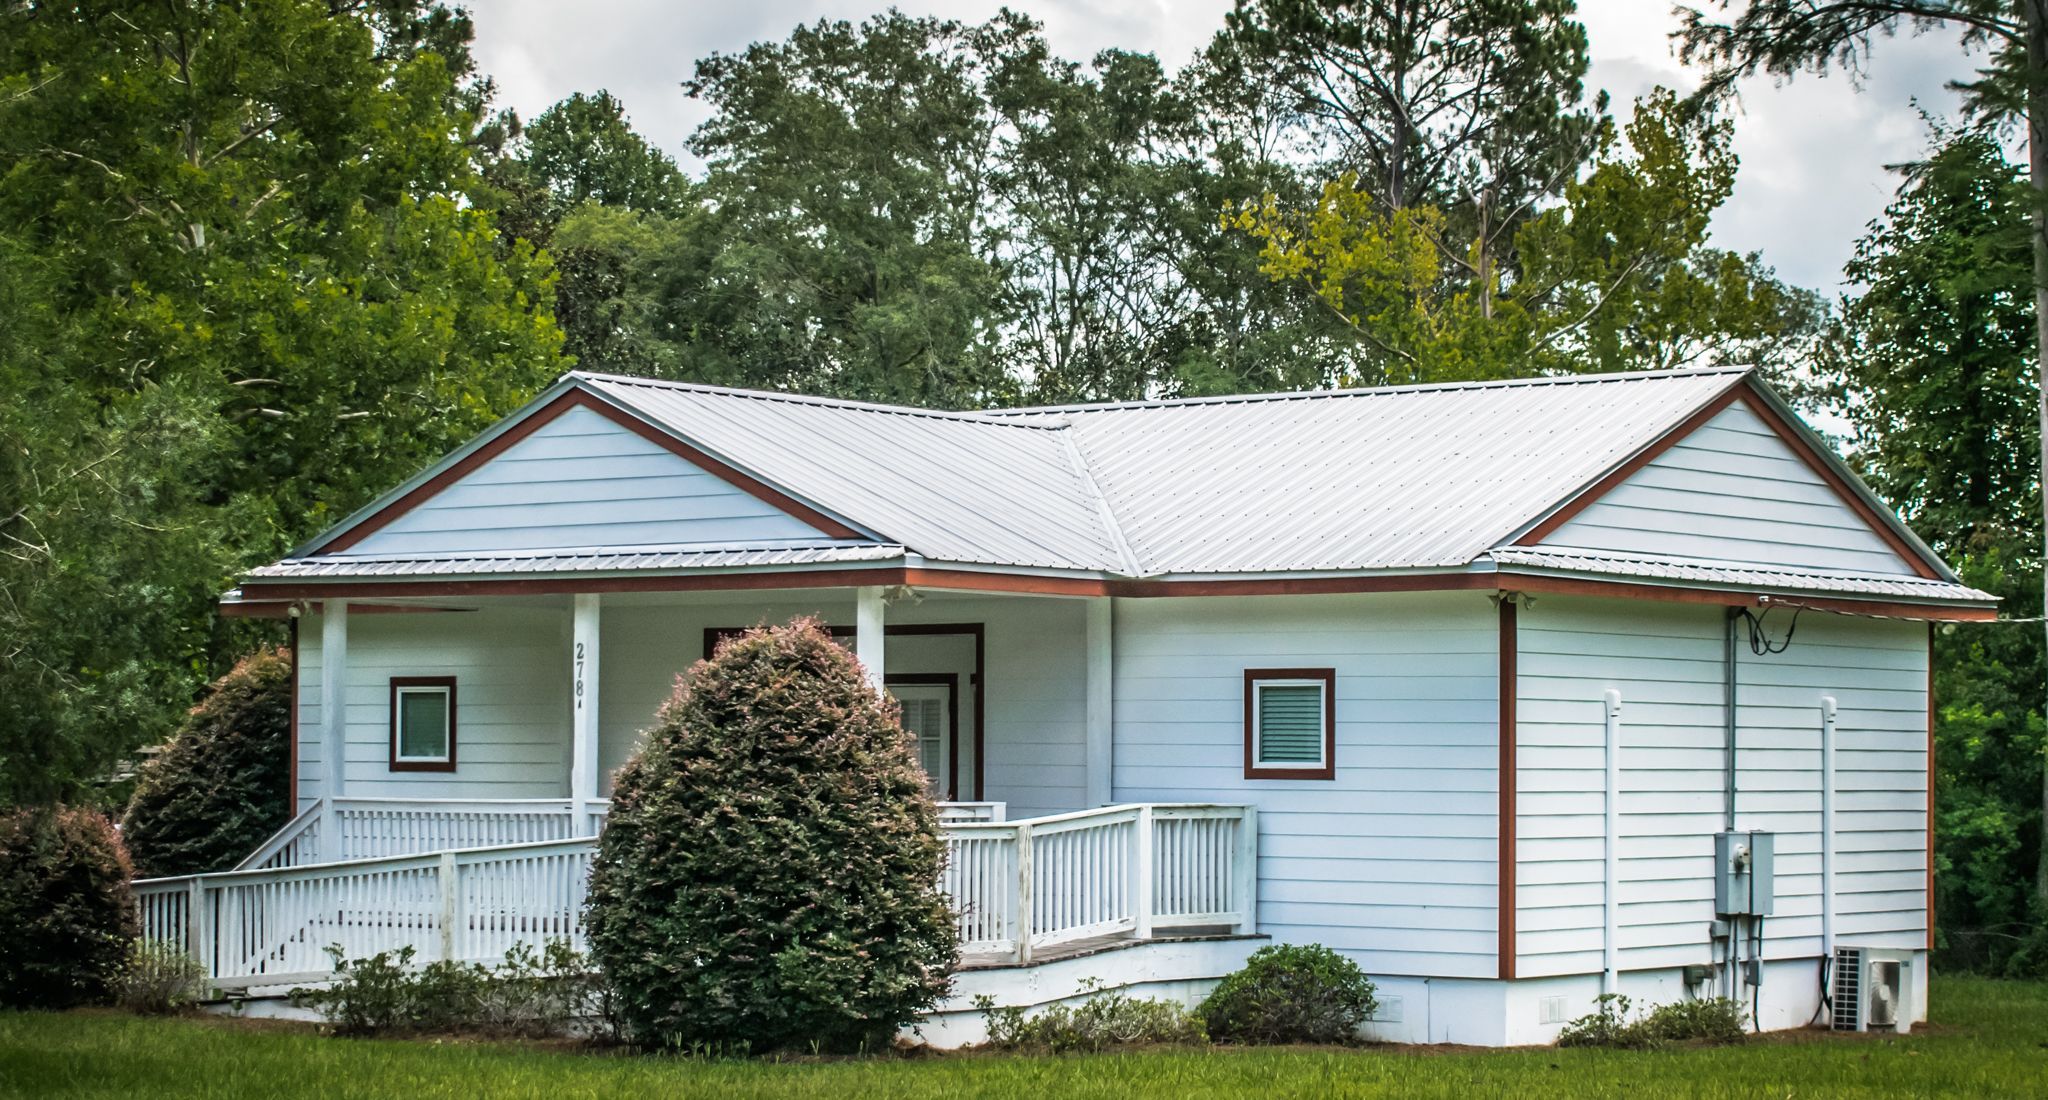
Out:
{"x": 579, "y": 675}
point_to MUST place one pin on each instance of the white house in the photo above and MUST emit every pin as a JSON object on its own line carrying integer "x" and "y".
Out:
{"x": 1486, "y": 685}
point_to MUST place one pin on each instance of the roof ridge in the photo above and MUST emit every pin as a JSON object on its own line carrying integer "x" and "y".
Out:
{"x": 967, "y": 415}
{"x": 1372, "y": 391}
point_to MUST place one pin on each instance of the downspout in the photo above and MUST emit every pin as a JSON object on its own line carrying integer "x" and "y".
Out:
{"x": 1731, "y": 701}
{"x": 1827, "y": 828}
{"x": 1611, "y": 851}
{"x": 1728, "y": 712}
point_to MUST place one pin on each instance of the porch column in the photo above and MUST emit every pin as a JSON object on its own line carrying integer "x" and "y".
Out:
{"x": 583, "y": 725}
{"x": 1101, "y": 672}
{"x": 333, "y": 718}
{"x": 869, "y": 636}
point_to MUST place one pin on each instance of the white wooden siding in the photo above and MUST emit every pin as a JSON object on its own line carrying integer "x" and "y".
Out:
{"x": 582, "y": 480}
{"x": 1393, "y": 861}
{"x": 1035, "y": 708}
{"x": 511, "y": 666}
{"x": 1666, "y": 660}
{"x": 1732, "y": 490}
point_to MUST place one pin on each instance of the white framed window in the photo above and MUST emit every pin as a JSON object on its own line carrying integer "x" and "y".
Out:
{"x": 423, "y": 723}
{"x": 929, "y": 703}
{"x": 1290, "y": 723}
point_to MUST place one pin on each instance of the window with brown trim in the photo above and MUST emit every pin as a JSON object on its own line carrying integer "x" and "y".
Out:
{"x": 1290, "y": 723}
{"x": 423, "y": 723}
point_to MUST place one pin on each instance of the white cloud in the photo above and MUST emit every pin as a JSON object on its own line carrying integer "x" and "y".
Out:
{"x": 1813, "y": 150}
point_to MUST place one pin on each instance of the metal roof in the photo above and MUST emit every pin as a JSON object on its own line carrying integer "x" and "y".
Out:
{"x": 959, "y": 487}
{"x": 1730, "y": 574}
{"x": 593, "y": 559}
{"x": 1403, "y": 478}
{"x": 1364, "y": 479}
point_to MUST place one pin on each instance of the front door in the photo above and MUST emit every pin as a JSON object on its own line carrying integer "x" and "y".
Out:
{"x": 928, "y": 716}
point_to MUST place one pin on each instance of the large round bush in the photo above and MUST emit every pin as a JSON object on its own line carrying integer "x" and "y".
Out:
{"x": 768, "y": 877}
{"x": 66, "y": 914}
{"x": 1290, "y": 993}
{"x": 223, "y": 785}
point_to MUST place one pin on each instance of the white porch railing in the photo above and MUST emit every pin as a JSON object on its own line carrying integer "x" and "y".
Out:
{"x": 1016, "y": 886}
{"x": 272, "y": 927}
{"x": 368, "y": 828}
{"x": 1020, "y": 886}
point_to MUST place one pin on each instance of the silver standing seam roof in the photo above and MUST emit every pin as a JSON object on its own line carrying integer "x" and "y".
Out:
{"x": 1411, "y": 478}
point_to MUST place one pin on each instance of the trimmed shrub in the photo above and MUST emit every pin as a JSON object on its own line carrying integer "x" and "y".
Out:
{"x": 1290, "y": 993}
{"x": 66, "y": 913}
{"x": 1102, "y": 1021}
{"x": 160, "y": 979}
{"x": 1708, "y": 1020}
{"x": 222, "y": 786}
{"x": 768, "y": 877}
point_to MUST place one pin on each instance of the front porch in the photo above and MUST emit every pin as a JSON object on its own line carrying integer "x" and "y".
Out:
{"x": 546, "y": 694}
{"x": 453, "y": 759}
{"x": 1024, "y": 892}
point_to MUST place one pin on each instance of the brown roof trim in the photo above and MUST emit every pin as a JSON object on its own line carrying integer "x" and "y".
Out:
{"x": 257, "y": 594}
{"x": 1628, "y": 590}
{"x": 583, "y": 399}
{"x": 1793, "y": 438}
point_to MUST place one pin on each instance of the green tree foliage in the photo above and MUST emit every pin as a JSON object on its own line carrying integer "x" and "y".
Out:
{"x": 848, "y": 167}
{"x": 582, "y": 157}
{"x": 768, "y": 877}
{"x": 219, "y": 788}
{"x": 65, "y": 908}
{"x": 1932, "y": 363}
{"x": 583, "y": 150}
{"x": 1020, "y": 226}
{"x": 1617, "y": 276}
{"x": 253, "y": 294}
{"x": 1474, "y": 107}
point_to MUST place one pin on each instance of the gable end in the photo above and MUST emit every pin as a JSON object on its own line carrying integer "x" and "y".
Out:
{"x": 1736, "y": 482}
{"x": 422, "y": 518}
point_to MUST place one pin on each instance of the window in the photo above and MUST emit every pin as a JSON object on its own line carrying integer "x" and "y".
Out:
{"x": 1290, "y": 723}
{"x": 423, "y": 723}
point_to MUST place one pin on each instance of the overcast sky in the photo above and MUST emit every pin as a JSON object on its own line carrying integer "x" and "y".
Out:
{"x": 1813, "y": 152}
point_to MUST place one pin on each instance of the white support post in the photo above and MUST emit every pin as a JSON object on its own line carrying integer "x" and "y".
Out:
{"x": 1142, "y": 885}
{"x": 1101, "y": 672}
{"x": 196, "y": 939}
{"x": 1246, "y": 888}
{"x": 869, "y": 636}
{"x": 1827, "y": 828}
{"x": 584, "y": 692}
{"x": 1023, "y": 926}
{"x": 1610, "y": 896}
{"x": 333, "y": 718}
{"x": 451, "y": 904}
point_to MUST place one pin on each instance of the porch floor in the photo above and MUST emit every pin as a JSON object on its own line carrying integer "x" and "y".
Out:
{"x": 1096, "y": 945}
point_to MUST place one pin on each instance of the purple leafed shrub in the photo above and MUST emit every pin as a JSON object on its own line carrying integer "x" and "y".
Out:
{"x": 66, "y": 913}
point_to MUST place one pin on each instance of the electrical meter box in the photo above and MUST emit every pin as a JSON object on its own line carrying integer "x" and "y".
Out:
{"x": 1744, "y": 873}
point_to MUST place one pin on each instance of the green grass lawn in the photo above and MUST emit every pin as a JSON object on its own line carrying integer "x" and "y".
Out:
{"x": 1988, "y": 1039}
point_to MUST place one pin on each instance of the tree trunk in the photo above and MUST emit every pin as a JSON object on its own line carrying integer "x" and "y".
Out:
{"x": 2037, "y": 174}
